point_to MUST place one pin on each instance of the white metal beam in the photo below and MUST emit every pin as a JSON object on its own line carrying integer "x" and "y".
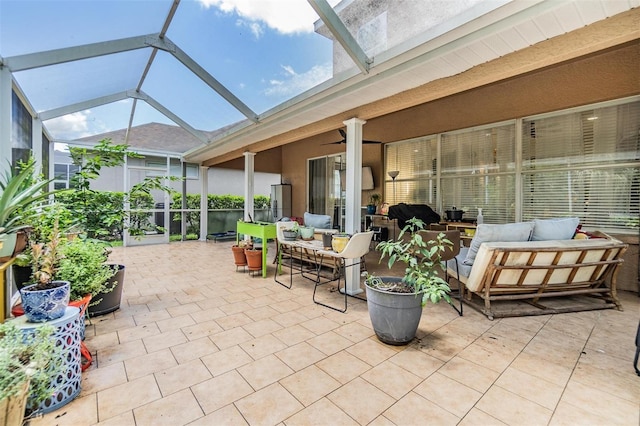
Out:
{"x": 168, "y": 46}
{"x": 158, "y": 106}
{"x": 81, "y": 106}
{"x": 103, "y": 100}
{"x": 342, "y": 34}
{"x": 69, "y": 54}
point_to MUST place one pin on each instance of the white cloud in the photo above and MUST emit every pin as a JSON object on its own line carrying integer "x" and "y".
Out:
{"x": 74, "y": 126}
{"x": 284, "y": 16}
{"x": 293, "y": 83}
{"x": 255, "y": 27}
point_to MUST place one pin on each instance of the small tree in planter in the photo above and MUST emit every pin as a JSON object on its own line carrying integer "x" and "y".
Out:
{"x": 46, "y": 299}
{"x": 395, "y": 303}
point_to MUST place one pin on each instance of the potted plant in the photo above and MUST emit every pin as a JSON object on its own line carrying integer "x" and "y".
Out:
{"x": 83, "y": 265}
{"x": 47, "y": 299}
{"x": 291, "y": 234}
{"x": 239, "y": 258}
{"x": 254, "y": 258}
{"x": 27, "y": 361}
{"x": 395, "y": 303}
{"x": 108, "y": 300}
{"x": 374, "y": 200}
{"x": 41, "y": 223}
{"x": 19, "y": 192}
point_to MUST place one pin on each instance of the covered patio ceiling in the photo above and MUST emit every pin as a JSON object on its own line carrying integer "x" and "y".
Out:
{"x": 136, "y": 63}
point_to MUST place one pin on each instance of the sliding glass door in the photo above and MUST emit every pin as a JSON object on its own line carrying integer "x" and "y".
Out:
{"x": 326, "y": 190}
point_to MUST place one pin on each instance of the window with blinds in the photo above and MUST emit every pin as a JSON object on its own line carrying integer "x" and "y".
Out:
{"x": 584, "y": 164}
{"x": 478, "y": 171}
{"x": 416, "y": 161}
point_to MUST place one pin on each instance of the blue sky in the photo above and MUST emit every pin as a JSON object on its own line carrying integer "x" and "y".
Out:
{"x": 264, "y": 51}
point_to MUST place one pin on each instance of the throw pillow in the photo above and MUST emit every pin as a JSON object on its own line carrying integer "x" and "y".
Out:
{"x": 554, "y": 229}
{"x": 485, "y": 233}
{"x": 317, "y": 221}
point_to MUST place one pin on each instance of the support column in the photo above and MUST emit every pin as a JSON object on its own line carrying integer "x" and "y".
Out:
{"x": 353, "y": 196}
{"x": 5, "y": 119}
{"x": 249, "y": 213}
{"x": 204, "y": 205}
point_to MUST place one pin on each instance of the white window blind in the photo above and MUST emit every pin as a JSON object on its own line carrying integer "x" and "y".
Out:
{"x": 416, "y": 162}
{"x": 584, "y": 164}
{"x": 478, "y": 171}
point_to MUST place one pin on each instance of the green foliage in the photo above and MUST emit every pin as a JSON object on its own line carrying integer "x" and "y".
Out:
{"x": 100, "y": 216}
{"x": 102, "y": 213}
{"x": 422, "y": 260}
{"x": 83, "y": 266}
{"x": 374, "y": 199}
{"x": 225, "y": 202}
{"x": 214, "y": 202}
{"x": 28, "y": 355}
{"x": 20, "y": 192}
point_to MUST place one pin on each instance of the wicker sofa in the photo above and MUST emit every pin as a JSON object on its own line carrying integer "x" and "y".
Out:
{"x": 549, "y": 276}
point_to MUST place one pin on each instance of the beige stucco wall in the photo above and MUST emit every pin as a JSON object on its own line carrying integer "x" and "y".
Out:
{"x": 611, "y": 74}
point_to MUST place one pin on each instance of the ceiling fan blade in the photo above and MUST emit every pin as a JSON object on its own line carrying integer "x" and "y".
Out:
{"x": 366, "y": 141}
{"x": 334, "y": 143}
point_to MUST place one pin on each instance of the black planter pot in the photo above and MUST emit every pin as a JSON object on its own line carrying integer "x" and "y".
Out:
{"x": 21, "y": 275}
{"x": 109, "y": 302}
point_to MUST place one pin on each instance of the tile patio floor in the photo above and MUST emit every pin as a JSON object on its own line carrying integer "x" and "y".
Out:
{"x": 197, "y": 343}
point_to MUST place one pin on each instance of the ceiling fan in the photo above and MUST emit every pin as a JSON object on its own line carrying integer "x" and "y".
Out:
{"x": 344, "y": 139}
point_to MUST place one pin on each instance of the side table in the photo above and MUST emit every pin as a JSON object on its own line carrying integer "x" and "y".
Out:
{"x": 65, "y": 385}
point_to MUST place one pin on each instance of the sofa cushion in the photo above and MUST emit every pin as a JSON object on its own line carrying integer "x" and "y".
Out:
{"x": 554, "y": 229}
{"x": 486, "y": 233}
{"x": 318, "y": 221}
{"x": 457, "y": 266}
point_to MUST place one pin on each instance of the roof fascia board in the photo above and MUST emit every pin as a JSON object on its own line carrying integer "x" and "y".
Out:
{"x": 168, "y": 46}
{"x": 81, "y": 106}
{"x": 69, "y": 54}
{"x": 88, "y": 144}
{"x": 158, "y": 106}
{"x": 342, "y": 34}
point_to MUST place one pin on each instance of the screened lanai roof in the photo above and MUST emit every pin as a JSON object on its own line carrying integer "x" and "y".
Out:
{"x": 270, "y": 67}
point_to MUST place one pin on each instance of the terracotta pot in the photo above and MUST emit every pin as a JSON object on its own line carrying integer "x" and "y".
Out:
{"x": 239, "y": 257}
{"x": 254, "y": 259}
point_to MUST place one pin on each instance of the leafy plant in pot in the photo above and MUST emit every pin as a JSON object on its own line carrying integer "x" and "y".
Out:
{"x": 374, "y": 200}
{"x": 83, "y": 265}
{"x": 395, "y": 303}
{"x": 46, "y": 299}
{"x": 28, "y": 360}
{"x": 19, "y": 192}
